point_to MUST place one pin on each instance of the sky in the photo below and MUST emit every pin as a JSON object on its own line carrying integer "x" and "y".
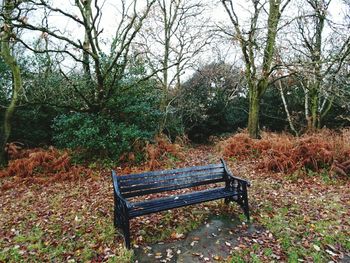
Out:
{"x": 111, "y": 18}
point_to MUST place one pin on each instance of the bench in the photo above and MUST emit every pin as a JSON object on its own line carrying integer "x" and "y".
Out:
{"x": 134, "y": 185}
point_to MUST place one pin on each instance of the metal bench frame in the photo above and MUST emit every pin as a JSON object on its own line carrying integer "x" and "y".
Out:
{"x": 128, "y": 186}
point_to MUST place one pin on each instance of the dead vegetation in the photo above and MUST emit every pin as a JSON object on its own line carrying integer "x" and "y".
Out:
{"x": 43, "y": 166}
{"x": 284, "y": 153}
{"x": 72, "y": 221}
{"x": 40, "y": 165}
{"x": 160, "y": 151}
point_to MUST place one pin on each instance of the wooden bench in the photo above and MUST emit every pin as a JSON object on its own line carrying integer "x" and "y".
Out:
{"x": 128, "y": 186}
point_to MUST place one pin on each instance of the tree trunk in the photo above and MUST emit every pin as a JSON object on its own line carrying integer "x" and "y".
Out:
{"x": 16, "y": 88}
{"x": 254, "y": 112}
{"x": 289, "y": 118}
{"x": 314, "y": 109}
{"x": 165, "y": 64}
{"x": 9, "y": 59}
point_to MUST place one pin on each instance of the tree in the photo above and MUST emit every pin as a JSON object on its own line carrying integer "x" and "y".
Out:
{"x": 318, "y": 58}
{"x": 257, "y": 76}
{"x": 103, "y": 63}
{"x": 6, "y": 53}
{"x": 172, "y": 38}
{"x": 212, "y": 101}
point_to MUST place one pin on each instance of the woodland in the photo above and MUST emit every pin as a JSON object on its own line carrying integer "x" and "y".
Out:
{"x": 87, "y": 86}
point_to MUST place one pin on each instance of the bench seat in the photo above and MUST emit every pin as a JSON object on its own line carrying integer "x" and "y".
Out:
{"x": 175, "y": 201}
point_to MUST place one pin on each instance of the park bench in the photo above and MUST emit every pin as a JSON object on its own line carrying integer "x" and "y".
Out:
{"x": 222, "y": 185}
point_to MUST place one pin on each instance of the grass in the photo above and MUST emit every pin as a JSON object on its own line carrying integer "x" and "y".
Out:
{"x": 307, "y": 220}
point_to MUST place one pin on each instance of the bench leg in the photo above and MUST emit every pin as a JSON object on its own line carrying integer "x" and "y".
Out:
{"x": 126, "y": 232}
{"x": 115, "y": 218}
{"x": 243, "y": 202}
{"x": 121, "y": 221}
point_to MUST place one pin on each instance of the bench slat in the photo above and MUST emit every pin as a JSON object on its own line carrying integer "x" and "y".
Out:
{"x": 167, "y": 177}
{"x": 121, "y": 178}
{"x": 170, "y": 188}
{"x": 174, "y": 198}
{"x": 183, "y": 200}
{"x": 172, "y": 181}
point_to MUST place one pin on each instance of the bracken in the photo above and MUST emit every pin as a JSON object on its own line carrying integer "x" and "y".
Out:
{"x": 284, "y": 153}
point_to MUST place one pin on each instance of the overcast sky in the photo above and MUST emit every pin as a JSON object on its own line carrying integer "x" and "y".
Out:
{"x": 111, "y": 18}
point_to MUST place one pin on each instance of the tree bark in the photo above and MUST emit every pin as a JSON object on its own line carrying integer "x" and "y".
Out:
{"x": 16, "y": 88}
{"x": 291, "y": 125}
{"x": 254, "y": 112}
{"x": 314, "y": 109}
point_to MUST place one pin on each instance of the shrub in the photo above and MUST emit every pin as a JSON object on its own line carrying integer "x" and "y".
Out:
{"x": 160, "y": 150}
{"x": 96, "y": 135}
{"x": 212, "y": 101}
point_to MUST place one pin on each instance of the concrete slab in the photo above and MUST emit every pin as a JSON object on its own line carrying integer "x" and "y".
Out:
{"x": 211, "y": 242}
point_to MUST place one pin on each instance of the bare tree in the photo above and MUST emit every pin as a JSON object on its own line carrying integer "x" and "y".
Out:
{"x": 318, "y": 58}
{"x": 103, "y": 64}
{"x": 174, "y": 35}
{"x": 257, "y": 44}
{"x": 6, "y": 53}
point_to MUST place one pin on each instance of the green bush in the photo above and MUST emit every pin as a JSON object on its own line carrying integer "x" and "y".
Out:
{"x": 212, "y": 102}
{"x": 96, "y": 135}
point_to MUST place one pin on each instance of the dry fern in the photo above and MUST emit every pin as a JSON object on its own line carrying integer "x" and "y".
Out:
{"x": 41, "y": 166}
{"x": 285, "y": 153}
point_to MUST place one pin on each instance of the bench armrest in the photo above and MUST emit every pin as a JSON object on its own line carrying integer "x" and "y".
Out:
{"x": 117, "y": 191}
{"x": 231, "y": 176}
{"x": 239, "y": 179}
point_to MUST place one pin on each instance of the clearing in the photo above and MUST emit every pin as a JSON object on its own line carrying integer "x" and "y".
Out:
{"x": 304, "y": 218}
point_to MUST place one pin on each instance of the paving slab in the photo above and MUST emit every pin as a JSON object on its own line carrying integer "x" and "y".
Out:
{"x": 213, "y": 241}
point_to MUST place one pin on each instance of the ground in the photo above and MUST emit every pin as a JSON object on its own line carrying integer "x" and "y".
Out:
{"x": 294, "y": 219}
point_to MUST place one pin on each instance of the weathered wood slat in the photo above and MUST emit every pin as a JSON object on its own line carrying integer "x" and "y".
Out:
{"x": 172, "y": 171}
{"x": 167, "y": 177}
{"x": 178, "y": 198}
{"x": 191, "y": 200}
{"x": 175, "y": 181}
{"x": 170, "y": 188}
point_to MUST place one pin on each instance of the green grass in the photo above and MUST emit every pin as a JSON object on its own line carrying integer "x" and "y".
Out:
{"x": 291, "y": 230}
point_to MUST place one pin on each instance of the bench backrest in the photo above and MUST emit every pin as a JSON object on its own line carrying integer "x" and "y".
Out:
{"x": 167, "y": 180}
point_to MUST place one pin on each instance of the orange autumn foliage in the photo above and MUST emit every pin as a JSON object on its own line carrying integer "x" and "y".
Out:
{"x": 40, "y": 166}
{"x": 161, "y": 149}
{"x": 285, "y": 153}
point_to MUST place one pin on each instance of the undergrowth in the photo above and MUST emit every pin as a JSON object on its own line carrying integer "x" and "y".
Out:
{"x": 284, "y": 153}
{"x": 40, "y": 165}
{"x": 156, "y": 155}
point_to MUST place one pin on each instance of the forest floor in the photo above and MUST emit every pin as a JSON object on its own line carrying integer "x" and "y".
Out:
{"x": 295, "y": 219}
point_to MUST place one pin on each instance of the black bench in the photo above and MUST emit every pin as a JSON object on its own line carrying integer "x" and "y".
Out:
{"x": 133, "y": 185}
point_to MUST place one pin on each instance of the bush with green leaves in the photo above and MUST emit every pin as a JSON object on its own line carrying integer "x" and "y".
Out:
{"x": 213, "y": 102}
{"x": 96, "y": 135}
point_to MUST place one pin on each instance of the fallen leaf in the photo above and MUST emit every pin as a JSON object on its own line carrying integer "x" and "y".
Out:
{"x": 176, "y": 235}
{"x": 193, "y": 243}
{"x": 217, "y": 258}
{"x": 317, "y": 248}
{"x": 331, "y": 253}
